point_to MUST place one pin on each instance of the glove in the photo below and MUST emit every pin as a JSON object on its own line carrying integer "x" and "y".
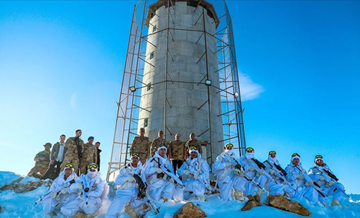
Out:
{"x": 322, "y": 178}
{"x": 64, "y": 191}
{"x": 250, "y": 168}
{"x": 329, "y": 184}
{"x": 272, "y": 172}
{"x": 300, "y": 176}
{"x": 160, "y": 175}
{"x": 239, "y": 173}
{"x": 129, "y": 179}
{"x": 158, "y": 170}
{"x": 309, "y": 184}
{"x": 238, "y": 166}
{"x": 186, "y": 172}
{"x": 86, "y": 189}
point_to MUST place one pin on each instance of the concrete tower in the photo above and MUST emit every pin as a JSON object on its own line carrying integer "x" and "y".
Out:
{"x": 180, "y": 64}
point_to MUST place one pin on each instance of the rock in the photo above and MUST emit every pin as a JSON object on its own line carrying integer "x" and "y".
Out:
{"x": 253, "y": 201}
{"x": 189, "y": 210}
{"x": 22, "y": 185}
{"x": 282, "y": 203}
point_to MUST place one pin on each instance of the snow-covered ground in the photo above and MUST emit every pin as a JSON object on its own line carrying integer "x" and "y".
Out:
{"x": 22, "y": 205}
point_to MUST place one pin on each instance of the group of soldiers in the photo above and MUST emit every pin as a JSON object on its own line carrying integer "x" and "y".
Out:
{"x": 74, "y": 151}
{"x": 160, "y": 171}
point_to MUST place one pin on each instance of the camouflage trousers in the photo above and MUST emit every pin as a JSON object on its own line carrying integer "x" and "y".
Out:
{"x": 41, "y": 169}
{"x": 71, "y": 160}
{"x": 83, "y": 167}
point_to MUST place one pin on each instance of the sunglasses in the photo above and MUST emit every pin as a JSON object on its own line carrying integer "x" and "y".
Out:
{"x": 229, "y": 145}
{"x": 69, "y": 165}
{"x": 249, "y": 150}
{"x": 135, "y": 154}
{"x": 318, "y": 156}
{"x": 193, "y": 148}
{"x": 295, "y": 154}
{"x": 93, "y": 166}
{"x": 272, "y": 152}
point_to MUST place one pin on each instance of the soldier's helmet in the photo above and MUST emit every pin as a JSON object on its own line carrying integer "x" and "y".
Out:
{"x": 48, "y": 144}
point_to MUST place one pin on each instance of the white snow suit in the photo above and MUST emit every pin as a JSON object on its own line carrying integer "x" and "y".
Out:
{"x": 329, "y": 185}
{"x": 63, "y": 200}
{"x": 227, "y": 180}
{"x": 195, "y": 177}
{"x": 252, "y": 172}
{"x": 159, "y": 187}
{"x": 128, "y": 190}
{"x": 299, "y": 182}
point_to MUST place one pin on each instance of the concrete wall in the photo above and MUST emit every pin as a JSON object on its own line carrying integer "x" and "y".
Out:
{"x": 185, "y": 98}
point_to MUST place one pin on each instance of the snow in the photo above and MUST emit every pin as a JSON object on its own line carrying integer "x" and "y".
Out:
{"x": 23, "y": 205}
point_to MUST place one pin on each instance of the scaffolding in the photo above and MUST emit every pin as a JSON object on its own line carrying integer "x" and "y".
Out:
{"x": 132, "y": 89}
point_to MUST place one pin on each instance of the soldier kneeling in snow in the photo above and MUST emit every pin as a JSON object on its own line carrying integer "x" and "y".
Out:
{"x": 301, "y": 181}
{"x": 328, "y": 182}
{"x": 128, "y": 192}
{"x": 160, "y": 184}
{"x": 93, "y": 191}
{"x": 63, "y": 191}
{"x": 195, "y": 173}
{"x": 229, "y": 174}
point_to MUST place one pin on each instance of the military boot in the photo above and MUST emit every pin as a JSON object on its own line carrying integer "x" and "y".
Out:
{"x": 80, "y": 214}
{"x": 335, "y": 203}
{"x": 239, "y": 195}
{"x": 131, "y": 211}
{"x": 253, "y": 201}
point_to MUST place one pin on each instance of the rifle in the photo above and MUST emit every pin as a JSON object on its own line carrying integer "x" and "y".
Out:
{"x": 86, "y": 188}
{"x": 57, "y": 190}
{"x": 78, "y": 147}
{"x": 143, "y": 191}
{"x": 317, "y": 186}
{"x": 332, "y": 176}
{"x": 278, "y": 167}
{"x": 263, "y": 167}
{"x": 279, "y": 174}
{"x": 243, "y": 169}
{"x": 170, "y": 174}
{"x": 202, "y": 181}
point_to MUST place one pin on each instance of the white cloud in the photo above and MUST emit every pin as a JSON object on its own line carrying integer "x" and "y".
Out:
{"x": 248, "y": 88}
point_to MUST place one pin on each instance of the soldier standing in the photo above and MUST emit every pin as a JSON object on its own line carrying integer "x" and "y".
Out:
{"x": 42, "y": 160}
{"x": 158, "y": 142}
{"x": 192, "y": 142}
{"x": 98, "y": 150}
{"x": 141, "y": 145}
{"x": 89, "y": 155}
{"x": 177, "y": 152}
{"x": 74, "y": 147}
{"x": 56, "y": 158}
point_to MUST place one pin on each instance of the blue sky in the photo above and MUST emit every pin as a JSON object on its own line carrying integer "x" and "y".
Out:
{"x": 61, "y": 67}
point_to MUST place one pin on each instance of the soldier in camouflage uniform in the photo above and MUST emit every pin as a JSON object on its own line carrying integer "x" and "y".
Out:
{"x": 141, "y": 145}
{"x": 42, "y": 160}
{"x": 88, "y": 156}
{"x": 158, "y": 142}
{"x": 177, "y": 152}
{"x": 192, "y": 142}
{"x": 74, "y": 147}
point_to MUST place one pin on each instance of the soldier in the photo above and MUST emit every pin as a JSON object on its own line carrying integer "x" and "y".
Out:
{"x": 74, "y": 147}
{"x": 177, "y": 152}
{"x": 141, "y": 145}
{"x": 42, "y": 160}
{"x": 56, "y": 158}
{"x": 89, "y": 155}
{"x": 158, "y": 142}
{"x": 192, "y": 142}
{"x": 98, "y": 150}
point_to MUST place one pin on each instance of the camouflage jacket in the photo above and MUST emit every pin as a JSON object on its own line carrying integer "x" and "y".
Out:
{"x": 71, "y": 146}
{"x": 42, "y": 154}
{"x": 89, "y": 154}
{"x": 177, "y": 150}
{"x": 156, "y": 144}
{"x": 140, "y": 145}
{"x": 193, "y": 143}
